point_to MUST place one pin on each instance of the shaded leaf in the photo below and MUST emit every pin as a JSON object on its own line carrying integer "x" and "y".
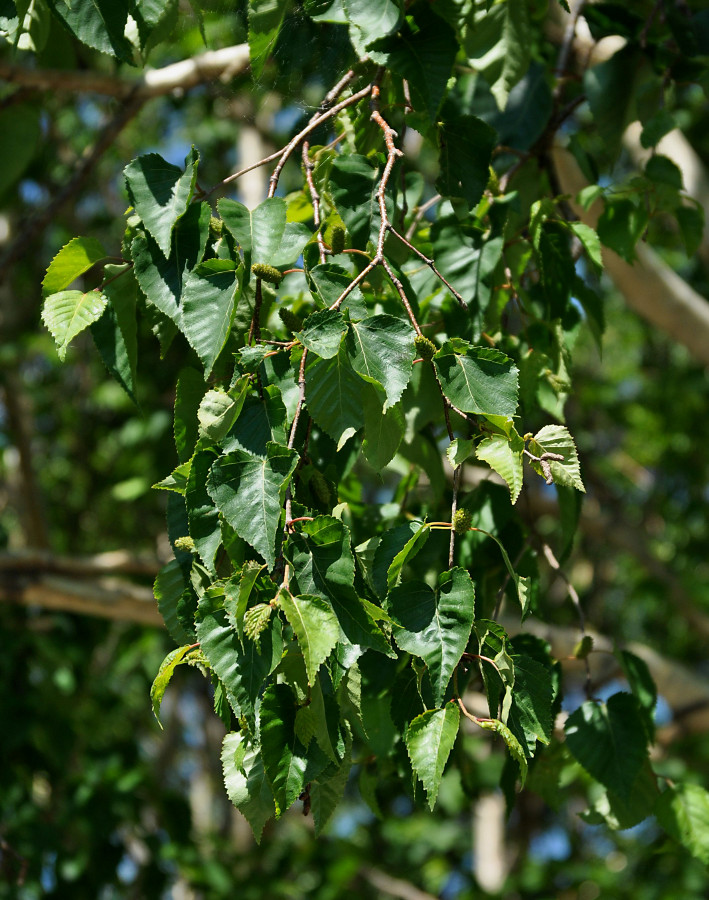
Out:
{"x": 429, "y": 741}
{"x": 481, "y": 380}
{"x": 314, "y": 624}
{"x": 245, "y": 780}
{"x": 683, "y": 811}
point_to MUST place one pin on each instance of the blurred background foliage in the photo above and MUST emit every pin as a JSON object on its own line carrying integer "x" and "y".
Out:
{"x": 96, "y": 801}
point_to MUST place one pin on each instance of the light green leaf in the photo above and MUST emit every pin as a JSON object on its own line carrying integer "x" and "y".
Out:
{"x": 498, "y": 43}
{"x": 75, "y": 258}
{"x": 315, "y": 626}
{"x": 167, "y": 668}
{"x": 284, "y": 757}
{"x": 482, "y": 380}
{"x": 557, "y": 439}
{"x": 334, "y": 392}
{"x": 381, "y": 348}
{"x": 459, "y": 450}
{"x": 249, "y": 492}
{"x": 68, "y": 313}
{"x": 429, "y": 741}
{"x": 177, "y": 480}
{"x": 504, "y": 455}
{"x": 371, "y": 19}
{"x": 210, "y": 295}
{"x": 260, "y": 231}
{"x": 322, "y": 332}
{"x": 160, "y": 193}
{"x": 407, "y": 553}
{"x": 609, "y": 740}
{"x": 265, "y": 21}
{"x": 245, "y": 780}
{"x": 383, "y": 431}
{"x": 435, "y": 626}
{"x": 683, "y": 811}
{"x": 590, "y": 240}
{"x": 219, "y": 409}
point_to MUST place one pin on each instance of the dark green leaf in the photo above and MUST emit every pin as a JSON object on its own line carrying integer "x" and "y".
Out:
{"x": 609, "y": 740}
{"x": 498, "y": 42}
{"x": 530, "y": 715}
{"x": 315, "y": 626}
{"x": 466, "y": 145}
{"x": 265, "y": 21}
{"x": 210, "y": 295}
{"x": 246, "y": 784}
{"x": 284, "y": 757}
{"x": 115, "y": 333}
{"x": 381, "y": 348}
{"x": 168, "y": 588}
{"x": 190, "y": 390}
{"x": 203, "y": 516}
{"x": 97, "y": 23}
{"x": 249, "y": 491}
{"x": 353, "y": 185}
{"x": 322, "y": 332}
{"x": 383, "y": 431}
{"x": 481, "y": 380}
{"x": 334, "y": 393}
{"x": 429, "y": 741}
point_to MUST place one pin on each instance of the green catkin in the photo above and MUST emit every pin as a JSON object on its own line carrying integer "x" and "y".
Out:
{"x": 267, "y": 273}
{"x": 461, "y": 521}
{"x": 185, "y": 543}
{"x": 215, "y": 227}
{"x": 292, "y": 322}
{"x": 256, "y": 620}
{"x": 426, "y": 349}
{"x": 337, "y": 240}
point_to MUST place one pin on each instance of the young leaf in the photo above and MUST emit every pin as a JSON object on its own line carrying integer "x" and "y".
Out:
{"x": 609, "y": 741}
{"x": 435, "y": 626}
{"x": 513, "y": 745}
{"x": 504, "y": 455}
{"x": 556, "y": 439}
{"x": 68, "y": 313}
{"x": 429, "y": 741}
{"x": 314, "y": 624}
{"x": 481, "y": 380}
{"x": 167, "y": 668}
{"x": 75, "y": 258}
{"x": 218, "y": 410}
{"x": 249, "y": 491}
{"x": 246, "y": 784}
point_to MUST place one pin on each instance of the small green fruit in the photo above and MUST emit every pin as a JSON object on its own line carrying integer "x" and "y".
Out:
{"x": 267, "y": 273}
{"x": 292, "y": 322}
{"x": 461, "y": 521}
{"x": 426, "y": 349}
{"x": 337, "y": 240}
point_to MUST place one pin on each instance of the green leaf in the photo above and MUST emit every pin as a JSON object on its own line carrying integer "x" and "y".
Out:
{"x": 249, "y": 492}
{"x": 167, "y": 668}
{"x": 245, "y": 780}
{"x": 284, "y": 757}
{"x": 429, "y": 741}
{"x": 314, "y": 624}
{"x": 407, "y": 553}
{"x": 691, "y": 224}
{"x": 459, "y": 450}
{"x": 621, "y": 225}
{"x": 188, "y": 396}
{"x": 391, "y": 543}
{"x": 116, "y": 332}
{"x": 177, "y": 479}
{"x": 265, "y": 22}
{"x": 168, "y": 588}
{"x": 609, "y": 741}
{"x": 68, "y": 313}
{"x": 327, "y": 790}
{"x": 465, "y": 150}
{"x": 498, "y": 43}
{"x": 202, "y": 515}
{"x": 556, "y": 439}
{"x": 513, "y": 745}
{"x": 481, "y": 380}
{"x": 323, "y": 564}
{"x": 243, "y": 670}
{"x": 590, "y": 240}
{"x": 262, "y": 419}
{"x": 381, "y": 348}
{"x": 643, "y": 687}
{"x": 504, "y": 455}
{"x": 372, "y": 19}
{"x": 322, "y": 332}
{"x": 328, "y": 281}
{"x": 683, "y": 811}
{"x": 218, "y": 410}
{"x": 608, "y": 808}
{"x": 353, "y": 183}
{"x": 160, "y": 193}
{"x": 530, "y": 715}
{"x": 97, "y": 23}
{"x": 334, "y": 393}
{"x": 210, "y": 295}
{"x": 20, "y": 133}
{"x": 435, "y": 626}
{"x": 424, "y": 56}
{"x": 611, "y": 88}
{"x": 161, "y": 279}
{"x": 263, "y": 233}
{"x": 383, "y": 431}
{"x": 75, "y": 258}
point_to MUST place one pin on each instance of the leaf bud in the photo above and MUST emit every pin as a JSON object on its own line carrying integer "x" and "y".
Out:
{"x": 337, "y": 239}
{"x": 292, "y": 322}
{"x": 256, "y": 619}
{"x": 461, "y": 521}
{"x": 267, "y": 273}
{"x": 426, "y": 349}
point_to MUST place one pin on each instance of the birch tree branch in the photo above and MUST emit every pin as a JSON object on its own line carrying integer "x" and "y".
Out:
{"x": 179, "y": 76}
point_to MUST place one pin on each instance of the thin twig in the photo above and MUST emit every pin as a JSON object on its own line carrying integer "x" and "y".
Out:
{"x": 430, "y": 263}
{"x": 314, "y": 198}
{"x": 454, "y": 507}
{"x": 420, "y": 213}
